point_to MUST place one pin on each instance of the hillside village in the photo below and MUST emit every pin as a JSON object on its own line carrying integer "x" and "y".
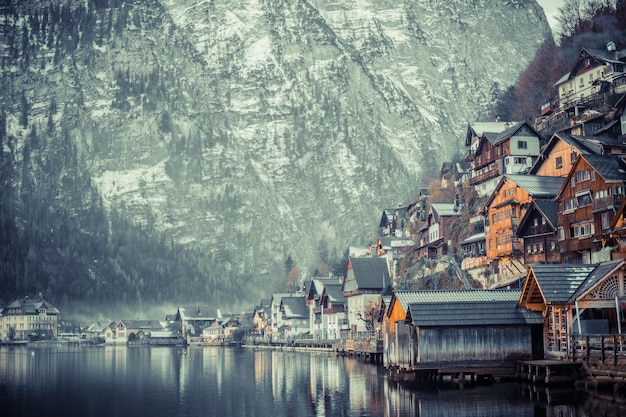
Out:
{"x": 527, "y": 231}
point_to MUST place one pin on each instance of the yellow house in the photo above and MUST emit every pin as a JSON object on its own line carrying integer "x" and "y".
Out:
{"x": 28, "y": 319}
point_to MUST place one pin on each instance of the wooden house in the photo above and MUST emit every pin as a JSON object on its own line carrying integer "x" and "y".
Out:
{"x": 393, "y": 221}
{"x": 594, "y": 72}
{"x": 587, "y": 201}
{"x": 558, "y": 156}
{"x": 615, "y": 237}
{"x": 397, "y": 337}
{"x": 575, "y": 299}
{"x": 364, "y": 282}
{"x": 510, "y": 151}
{"x": 538, "y": 232}
{"x": 503, "y": 211}
{"x": 439, "y": 223}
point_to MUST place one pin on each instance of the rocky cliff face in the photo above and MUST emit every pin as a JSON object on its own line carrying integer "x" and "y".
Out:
{"x": 249, "y": 130}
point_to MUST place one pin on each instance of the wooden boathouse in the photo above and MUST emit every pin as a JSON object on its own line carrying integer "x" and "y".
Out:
{"x": 459, "y": 334}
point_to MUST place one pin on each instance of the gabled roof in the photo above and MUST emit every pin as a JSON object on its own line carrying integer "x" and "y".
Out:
{"x": 32, "y": 306}
{"x": 452, "y": 296}
{"x": 604, "y": 56}
{"x": 199, "y": 313}
{"x": 143, "y": 324}
{"x": 511, "y": 131}
{"x": 371, "y": 273}
{"x": 294, "y": 307}
{"x": 445, "y": 209}
{"x": 612, "y": 168}
{"x": 564, "y": 283}
{"x": 335, "y": 294}
{"x": 547, "y": 208}
{"x": 485, "y": 128}
{"x": 571, "y": 140}
{"x": 536, "y": 186}
{"x": 477, "y": 237}
{"x": 471, "y": 313}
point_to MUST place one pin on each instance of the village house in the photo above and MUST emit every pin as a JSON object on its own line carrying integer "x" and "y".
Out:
{"x": 333, "y": 312}
{"x": 434, "y": 328}
{"x": 260, "y": 318}
{"x": 318, "y": 323}
{"x": 393, "y": 221}
{"x": 595, "y": 72}
{"x": 434, "y": 236}
{"x": 29, "y": 318}
{"x": 124, "y": 331}
{"x": 397, "y": 338}
{"x": 276, "y": 316}
{"x": 394, "y": 250}
{"x": 294, "y": 316}
{"x": 503, "y": 211}
{"x": 575, "y": 299}
{"x": 587, "y": 201}
{"x": 538, "y": 232}
{"x": 365, "y": 280}
{"x": 193, "y": 320}
{"x": 504, "y": 149}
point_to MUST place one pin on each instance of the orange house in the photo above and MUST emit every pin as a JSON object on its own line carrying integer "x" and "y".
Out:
{"x": 503, "y": 212}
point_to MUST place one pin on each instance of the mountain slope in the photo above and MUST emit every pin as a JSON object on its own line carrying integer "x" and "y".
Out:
{"x": 242, "y": 132}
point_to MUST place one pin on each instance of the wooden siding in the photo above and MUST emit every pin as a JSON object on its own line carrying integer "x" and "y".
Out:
{"x": 505, "y": 211}
{"x": 453, "y": 344}
{"x": 544, "y": 248}
{"x": 590, "y": 212}
{"x": 549, "y": 167}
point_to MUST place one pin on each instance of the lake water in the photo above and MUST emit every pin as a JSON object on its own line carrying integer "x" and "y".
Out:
{"x": 212, "y": 381}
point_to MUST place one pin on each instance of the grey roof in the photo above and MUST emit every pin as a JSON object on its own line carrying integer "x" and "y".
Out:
{"x": 563, "y": 283}
{"x": 32, "y": 306}
{"x": 446, "y": 209}
{"x": 199, "y": 313}
{"x": 480, "y": 128}
{"x": 425, "y": 297}
{"x": 335, "y": 294}
{"x": 612, "y": 168}
{"x": 295, "y": 307}
{"x": 538, "y": 186}
{"x": 511, "y": 131}
{"x": 370, "y": 272}
{"x": 471, "y": 313}
{"x": 477, "y": 237}
{"x": 546, "y": 207}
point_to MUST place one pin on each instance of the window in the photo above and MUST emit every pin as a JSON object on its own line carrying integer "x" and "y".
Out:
{"x": 522, "y": 144}
{"x": 584, "y": 199}
{"x": 604, "y": 219}
{"x": 561, "y": 233}
{"x": 520, "y": 160}
{"x": 581, "y": 230}
{"x": 573, "y": 156}
{"x": 559, "y": 162}
{"x": 535, "y": 222}
{"x": 569, "y": 205}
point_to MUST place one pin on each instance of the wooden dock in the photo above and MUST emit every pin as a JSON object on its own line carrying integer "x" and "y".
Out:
{"x": 548, "y": 371}
{"x": 367, "y": 347}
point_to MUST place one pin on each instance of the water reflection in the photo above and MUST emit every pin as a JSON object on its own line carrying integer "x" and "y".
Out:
{"x": 163, "y": 381}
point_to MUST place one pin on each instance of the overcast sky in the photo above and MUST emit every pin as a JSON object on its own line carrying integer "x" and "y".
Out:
{"x": 550, "y": 7}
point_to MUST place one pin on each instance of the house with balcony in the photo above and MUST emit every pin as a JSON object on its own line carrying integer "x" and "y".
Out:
{"x": 575, "y": 299}
{"x": 587, "y": 202}
{"x": 594, "y": 72}
{"x": 512, "y": 150}
{"x": 294, "y": 316}
{"x": 503, "y": 211}
{"x": 29, "y": 319}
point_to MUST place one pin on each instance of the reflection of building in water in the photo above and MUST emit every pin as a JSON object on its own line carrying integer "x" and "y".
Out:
{"x": 493, "y": 400}
{"x": 325, "y": 382}
{"x": 14, "y": 365}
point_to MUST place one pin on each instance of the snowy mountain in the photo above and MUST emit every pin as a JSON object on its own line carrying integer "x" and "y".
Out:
{"x": 240, "y": 132}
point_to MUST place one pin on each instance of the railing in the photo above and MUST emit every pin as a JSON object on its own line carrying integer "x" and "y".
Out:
{"x": 492, "y": 173}
{"x": 604, "y": 349}
{"x": 612, "y": 201}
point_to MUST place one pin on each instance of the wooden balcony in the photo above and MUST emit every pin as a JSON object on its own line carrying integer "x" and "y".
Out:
{"x": 607, "y": 203}
{"x": 486, "y": 176}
